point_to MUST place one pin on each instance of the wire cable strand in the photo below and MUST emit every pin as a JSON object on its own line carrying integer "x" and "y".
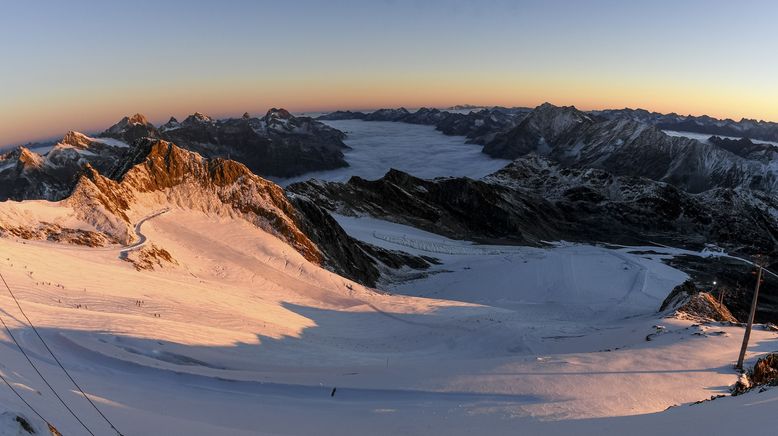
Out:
{"x": 56, "y": 359}
{"x": 7, "y": 329}
{"x": 13, "y": 389}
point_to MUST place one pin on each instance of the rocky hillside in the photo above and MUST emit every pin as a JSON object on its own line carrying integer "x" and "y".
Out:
{"x": 534, "y": 199}
{"x": 576, "y": 139}
{"x": 26, "y": 175}
{"x": 277, "y": 144}
{"x": 748, "y": 128}
{"x": 155, "y": 172}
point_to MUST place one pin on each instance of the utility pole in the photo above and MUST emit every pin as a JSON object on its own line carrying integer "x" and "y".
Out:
{"x": 747, "y": 334}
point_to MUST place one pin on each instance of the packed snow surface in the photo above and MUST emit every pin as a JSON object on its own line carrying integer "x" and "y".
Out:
{"x": 244, "y": 336}
{"x": 422, "y": 151}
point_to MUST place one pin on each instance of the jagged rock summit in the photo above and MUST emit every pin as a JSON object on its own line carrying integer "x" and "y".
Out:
{"x": 131, "y": 128}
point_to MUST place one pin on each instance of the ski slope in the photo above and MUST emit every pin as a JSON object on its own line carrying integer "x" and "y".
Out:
{"x": 246, "y": 337}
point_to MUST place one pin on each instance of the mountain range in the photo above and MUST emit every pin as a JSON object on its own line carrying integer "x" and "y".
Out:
{"x": 111, "y": 188}
{"x": 278, "y": 144}
{"x": 575, "y": 176}
{"x": 704, "y": 124}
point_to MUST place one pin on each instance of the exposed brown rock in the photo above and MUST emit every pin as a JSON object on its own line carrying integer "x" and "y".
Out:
{"x": 687, "y": 302}
{"x": 149, "y": 257}
{"x": 55, "y": 233}
{"x": 764, "y": 373}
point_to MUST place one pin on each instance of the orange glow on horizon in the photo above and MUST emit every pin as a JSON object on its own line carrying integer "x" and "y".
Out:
{"x": 93, "y": 110}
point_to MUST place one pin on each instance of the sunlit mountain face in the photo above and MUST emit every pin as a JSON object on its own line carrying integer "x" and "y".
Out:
{"x": 388, "y": 218}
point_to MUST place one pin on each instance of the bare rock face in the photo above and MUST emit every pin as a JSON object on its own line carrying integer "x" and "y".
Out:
{"x": 687, "y": 302}
{"x": 540, "y": 131}
{"x": 53, "y": 232}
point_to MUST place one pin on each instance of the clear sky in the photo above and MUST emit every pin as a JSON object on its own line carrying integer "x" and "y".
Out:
{"x": 84, "y": 64}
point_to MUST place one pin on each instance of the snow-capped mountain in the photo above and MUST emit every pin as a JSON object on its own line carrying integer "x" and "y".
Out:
{"x": 626, "y": 147}
{"x": 748, "y": 128}
{"x": 277, "y": 144}
{"x": 534, "y": 200}
{"x": 155, "y": 173}
{"x": 25, "y": 174}
{"x": 131, "y": 128}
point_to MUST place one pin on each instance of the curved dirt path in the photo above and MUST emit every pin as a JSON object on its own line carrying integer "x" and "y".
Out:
{"x": 141, "y": 237}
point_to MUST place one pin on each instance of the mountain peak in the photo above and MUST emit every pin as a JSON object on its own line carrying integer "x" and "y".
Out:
{"x": 278, "y": 113}
{"x": 198, "y": 118}
{"x": 138, "y": 119}
{"x": 28, "y": 158}
{"x": 76, "y": 139}
{"x": 130, "y": 128}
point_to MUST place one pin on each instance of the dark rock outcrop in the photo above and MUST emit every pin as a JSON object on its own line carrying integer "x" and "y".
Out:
{"x": 763, "y": 374}
{"x": 278, "y": 144}
{"x": 746, "y": 148}
{"x": 688, "y": 302}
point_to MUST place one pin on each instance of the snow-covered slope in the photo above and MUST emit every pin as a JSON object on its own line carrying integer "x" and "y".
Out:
{"x": 246, "y": 336}
{"x": 155, "y": 174}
